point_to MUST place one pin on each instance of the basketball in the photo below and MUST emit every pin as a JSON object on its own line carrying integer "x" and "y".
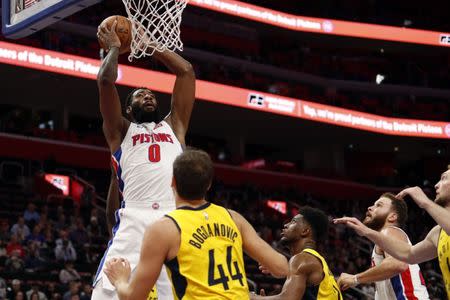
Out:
{"x": 123, "y": 30}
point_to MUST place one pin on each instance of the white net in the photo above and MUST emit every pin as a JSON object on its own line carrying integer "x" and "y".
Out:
{"x": 156, "y": 25}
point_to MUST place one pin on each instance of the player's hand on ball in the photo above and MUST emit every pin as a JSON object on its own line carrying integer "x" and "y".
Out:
{"x": 416, "y": 194}
{"x": 346, "y": 281}
{"x": 109, "y": 37}
{"x": 118, "y": 270}
{"x": 353, "y": 223}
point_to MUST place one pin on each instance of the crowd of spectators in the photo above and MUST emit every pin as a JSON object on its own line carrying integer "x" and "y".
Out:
{"x": 51, "y": 251}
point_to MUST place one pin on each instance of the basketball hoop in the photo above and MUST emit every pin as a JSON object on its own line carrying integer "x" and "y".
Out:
{"x": 156, "y": 26}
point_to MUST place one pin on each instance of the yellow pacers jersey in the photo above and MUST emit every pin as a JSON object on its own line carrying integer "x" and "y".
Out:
{"x": 153, "y": 295}
{"x": 209, "y": 264}
{"x": 328, "y": 288}
{"x": 444, "y": 259}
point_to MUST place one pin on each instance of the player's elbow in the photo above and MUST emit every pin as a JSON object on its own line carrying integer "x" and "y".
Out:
{"x": 187, "y": 70}
{"x": 401, "y": 267}
{"x": 103, "y": 80}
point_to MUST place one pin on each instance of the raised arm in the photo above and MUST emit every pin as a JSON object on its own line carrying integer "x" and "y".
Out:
{"x": 183, "y": 95}
{"x": 420, "y": 252}
{"x": 440, "y": 214}
{"x": 112, "y": 202}
{"x": 259, "y": 250}
{"x": 114, "y": 124}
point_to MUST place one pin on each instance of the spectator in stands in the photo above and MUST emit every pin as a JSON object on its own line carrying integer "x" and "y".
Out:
{"x": 14, "y": 245}
{"x": 3, "y": 252}
{"x": 43, "y": 221}
{"x": 79, "y": 236}
{"x": 36, "y": 235}
{"x": 4, "y": 231}
{"x": 86, "y": 293}
{"x": 64, "y": 250}
{"x": 2, "y": 289}
{"x": 49, "y": 244}
{"x": 31, "y": 215}
{"x": 74, "y": 291}
{"x": 50, "y": 289}
{"x": 61, "y": 224}
{"x": 14, "y": 264}
{"x": 16, "y": 287}
{"x": 68, "y": 274}
{"x": 20, "y": 229}
{"x": 36, "y": 292}
{"x": 19, "y": 296}
{"x": 93, "y": 226}
{"x": 34, "y": 262}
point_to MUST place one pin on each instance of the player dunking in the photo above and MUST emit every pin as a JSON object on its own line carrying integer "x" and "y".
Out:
{"x": 200, "y": 243}
{"x": 144, "y": 148}
{"x": 393, "y": 279}
{"x": 435, "y": 244}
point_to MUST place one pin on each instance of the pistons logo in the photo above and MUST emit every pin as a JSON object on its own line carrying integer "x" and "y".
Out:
{"x": 155, "y": 205}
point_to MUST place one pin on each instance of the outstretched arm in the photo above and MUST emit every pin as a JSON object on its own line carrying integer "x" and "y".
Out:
{"x": 258, "y": 249}
{"x": 114, "y": 124}
{"x": 440, "y": 214}
{"x": 183, "y": 95}
{"x": 420, "y": 252}
{"x": 388, "y": 268}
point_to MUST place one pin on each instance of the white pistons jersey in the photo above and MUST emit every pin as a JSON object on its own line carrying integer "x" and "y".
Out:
{"x": 144, "y": 164}
{"x": 144, "y": 168}
{"x": 407, "y": 285}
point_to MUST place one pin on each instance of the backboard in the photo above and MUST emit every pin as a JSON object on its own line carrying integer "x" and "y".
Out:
{"x": 21, "y": 18}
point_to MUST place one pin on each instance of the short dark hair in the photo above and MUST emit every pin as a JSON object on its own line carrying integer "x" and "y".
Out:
{"x": 193, "y": 172}
{"x": 399, "y": 207}
{"x": 129, "y": 99}
{"x": 318, "y": 221}
{"x": 130, "y": 95}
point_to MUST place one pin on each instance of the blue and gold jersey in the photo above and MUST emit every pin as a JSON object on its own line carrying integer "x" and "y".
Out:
{"x": 209, "y": 263}
{"x": 328, "y": 288}
{"x": 444, "y": 259}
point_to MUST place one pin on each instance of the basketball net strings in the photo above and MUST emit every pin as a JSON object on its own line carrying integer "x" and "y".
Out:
{"x": 155, "y": 26}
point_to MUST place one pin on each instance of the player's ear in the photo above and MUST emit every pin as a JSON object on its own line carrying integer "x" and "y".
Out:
{"x": 128, "y": 110}
{"x": 392, "y": 217}
{"x": 306, "y": 231}
{"x": 173, "y": 183}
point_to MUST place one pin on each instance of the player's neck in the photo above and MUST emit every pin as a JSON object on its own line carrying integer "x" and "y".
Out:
{"x": 301, "y": 245}
{"x": 387, "y": 225}
{"x": 192, "y": 203}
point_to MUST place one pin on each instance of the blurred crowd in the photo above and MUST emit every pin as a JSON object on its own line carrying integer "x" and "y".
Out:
{"x": 51, "y": 250}
{"x": 286, "y": 53}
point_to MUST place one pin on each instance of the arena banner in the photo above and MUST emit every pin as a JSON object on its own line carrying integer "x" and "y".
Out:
{"x": 78, "y": 66}
{"x": 324, "y": 26}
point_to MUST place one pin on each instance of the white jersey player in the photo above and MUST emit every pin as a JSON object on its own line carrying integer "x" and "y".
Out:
{"x": 393, "y": 279}
{"x": 144, "y": 149}
{"x": 409, "y": 284}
